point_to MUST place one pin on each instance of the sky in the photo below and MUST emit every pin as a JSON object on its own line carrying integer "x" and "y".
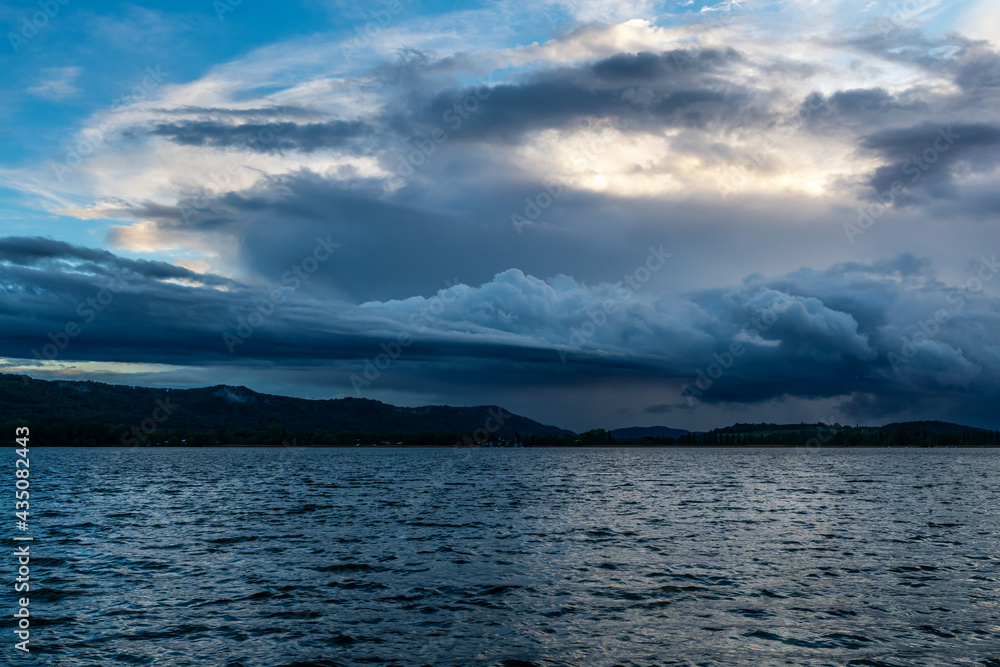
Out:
{"x": 595, "y": 214}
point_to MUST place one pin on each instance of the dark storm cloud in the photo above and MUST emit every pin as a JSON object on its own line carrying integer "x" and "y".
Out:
{"x": 444, "y": 229}
{"x": 926, "y": 158}
{"x": 646, "y": 67}
{"x": 135, "y": 311}
{"x": 57, "y": 255}
{"x": 834, "y": 336}
{"x": 268, "y": 138}
{"x": 909, "y": 141}
{"x": 873, "y": 318}
{"x": 409, "y": 242}
{"x": 675, "y": 88}
{"x": 861, "y": 100}
{"x": 938, "y": 143}
{"x": 978, "y": 69}
{"x": 857, "y": 104}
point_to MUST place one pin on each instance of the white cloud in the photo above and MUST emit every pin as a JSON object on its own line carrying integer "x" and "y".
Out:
{"x": 982, "y": 21}
{"x": 56, "y": 83}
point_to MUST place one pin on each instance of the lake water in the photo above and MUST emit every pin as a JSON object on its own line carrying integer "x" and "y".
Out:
{"x": 513, "y": 557}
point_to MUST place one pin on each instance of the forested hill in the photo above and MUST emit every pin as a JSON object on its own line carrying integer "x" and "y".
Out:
{"x": 94, "y": 413}
{"x": 639, "y": 432}
{"x": 900, "y": 434}
{"x": 239, "y": 409}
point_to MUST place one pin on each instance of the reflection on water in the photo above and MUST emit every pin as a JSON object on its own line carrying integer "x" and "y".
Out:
{"x": 515, "y": 557}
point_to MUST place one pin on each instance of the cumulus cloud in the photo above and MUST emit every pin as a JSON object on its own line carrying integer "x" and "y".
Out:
{"x": 886, "y": 330}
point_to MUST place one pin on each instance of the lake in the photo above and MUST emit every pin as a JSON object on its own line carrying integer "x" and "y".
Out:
{"x": 513, "y": 557}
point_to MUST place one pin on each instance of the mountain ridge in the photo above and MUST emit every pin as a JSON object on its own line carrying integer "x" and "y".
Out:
{"x": 240, "y": 408}
{"x": 78, "y": 403}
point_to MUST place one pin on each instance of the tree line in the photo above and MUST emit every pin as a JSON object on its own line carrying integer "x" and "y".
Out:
{"x": 98, "y": 435}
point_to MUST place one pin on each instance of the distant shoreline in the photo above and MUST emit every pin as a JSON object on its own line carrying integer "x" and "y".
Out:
{"x": 574, "y": 446}
{"x": 74, "y": 413}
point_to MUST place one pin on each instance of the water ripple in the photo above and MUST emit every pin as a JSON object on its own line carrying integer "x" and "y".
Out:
{"x": 515, "y": 558}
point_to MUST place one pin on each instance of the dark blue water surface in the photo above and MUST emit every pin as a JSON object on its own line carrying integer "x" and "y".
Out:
{"x": 513, "y": 557}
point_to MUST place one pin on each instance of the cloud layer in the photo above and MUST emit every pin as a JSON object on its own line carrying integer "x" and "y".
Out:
{"x": 890, "y": 336}
{"x": 613, "y": 203}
